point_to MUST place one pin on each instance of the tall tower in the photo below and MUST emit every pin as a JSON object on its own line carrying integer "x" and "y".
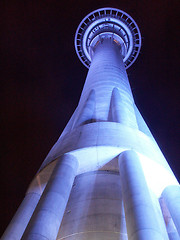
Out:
{"x": 105, "y": 177}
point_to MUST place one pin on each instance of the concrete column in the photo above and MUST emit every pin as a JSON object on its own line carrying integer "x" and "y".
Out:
{"x": 171, "y": 195}
{"x": 87, "y": 111}
{"x": 170, "y": 227}
{"x": 94, "y": 210}
{"x": 172, "y": 232}
{"x": 123, "y": 228}
{"x": 122, "y": 110}
{"x": 20, "y": 220}
{"x": 142, "y": 124}
{"x": 140, "y": 215}
{"x": 47, "y": 217}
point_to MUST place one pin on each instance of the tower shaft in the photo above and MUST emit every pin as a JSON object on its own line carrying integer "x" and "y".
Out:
{"x": 107, "y": 72}
{"x": 105, "y": 175}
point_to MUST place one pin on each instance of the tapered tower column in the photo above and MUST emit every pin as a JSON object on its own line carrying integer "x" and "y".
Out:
{"x": 107, "y": 46}
{"x": 108, "y": 146}
{"x": 107, "y": 69}
{"x": 47, "y": 217}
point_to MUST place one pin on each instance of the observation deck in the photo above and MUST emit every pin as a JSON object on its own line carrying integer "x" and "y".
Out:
{"x": 109, "y": 23}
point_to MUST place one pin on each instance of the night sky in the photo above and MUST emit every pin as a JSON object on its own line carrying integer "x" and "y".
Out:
{"x": 42, "y": 78}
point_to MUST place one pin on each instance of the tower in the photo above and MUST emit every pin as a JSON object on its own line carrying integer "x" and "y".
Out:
{"x": 106, "y": 162}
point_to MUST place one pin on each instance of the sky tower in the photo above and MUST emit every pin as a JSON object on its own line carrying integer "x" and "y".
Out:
{"x": 105, "y": 177}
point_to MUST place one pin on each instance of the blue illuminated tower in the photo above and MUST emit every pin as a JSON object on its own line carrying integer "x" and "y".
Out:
{"x": 105, "y": 177}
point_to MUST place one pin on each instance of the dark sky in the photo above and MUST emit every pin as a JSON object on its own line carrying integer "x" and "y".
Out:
{"x": 42, "y": 78}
